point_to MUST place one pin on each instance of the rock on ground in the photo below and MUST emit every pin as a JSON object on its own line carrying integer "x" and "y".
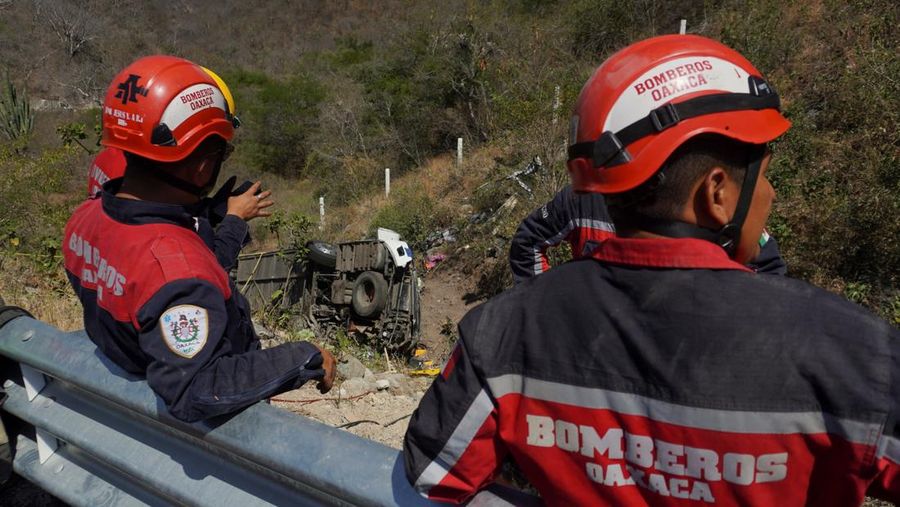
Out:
{"x": 349, "y": 367}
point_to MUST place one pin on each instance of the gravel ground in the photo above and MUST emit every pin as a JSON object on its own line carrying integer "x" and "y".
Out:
{"x": 380, "y": 416}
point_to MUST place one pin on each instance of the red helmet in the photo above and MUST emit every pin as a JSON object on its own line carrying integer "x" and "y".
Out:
{"x": 162, "y": 107}
{"x": 649, "y": 98}
{"x": 109, "y": 164}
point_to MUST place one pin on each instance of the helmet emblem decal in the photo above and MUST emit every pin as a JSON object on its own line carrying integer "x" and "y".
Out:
{"x": 130, "y": 89}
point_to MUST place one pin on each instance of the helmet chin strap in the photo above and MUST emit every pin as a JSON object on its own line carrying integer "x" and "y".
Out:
{"x": 729, "y": 235}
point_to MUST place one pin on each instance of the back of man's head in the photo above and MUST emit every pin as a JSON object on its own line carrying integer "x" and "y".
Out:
{"x": 685, "y": 104}
{"x": 665, "y": 195}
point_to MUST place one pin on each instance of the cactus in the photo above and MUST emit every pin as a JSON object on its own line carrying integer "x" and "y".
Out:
{"x": 16, "y": 118}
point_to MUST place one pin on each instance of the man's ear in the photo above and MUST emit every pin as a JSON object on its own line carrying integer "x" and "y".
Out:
{"x": 715, "y": 199}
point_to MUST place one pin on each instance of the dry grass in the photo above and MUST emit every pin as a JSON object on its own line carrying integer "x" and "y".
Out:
{"x": 47, "y": 296}
{"x": 440, "y": 179}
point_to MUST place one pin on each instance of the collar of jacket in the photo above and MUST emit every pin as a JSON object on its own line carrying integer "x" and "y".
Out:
{"x": 682, "y": 253}
{"x": 132, "y": 212}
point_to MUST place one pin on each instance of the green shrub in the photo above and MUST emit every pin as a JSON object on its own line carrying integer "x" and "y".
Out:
{"x": 277, "y": 116}
{"x": 596, "y": 28}
{"x": 413, "y": 215}
{"x": 350, "y": 52}
{"x": 291, "y": 230}
{"x": 37, "y": 201}
{"x": 836, "y": 173}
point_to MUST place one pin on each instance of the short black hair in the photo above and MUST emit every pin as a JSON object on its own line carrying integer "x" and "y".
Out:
{"x": 664, "y": 195}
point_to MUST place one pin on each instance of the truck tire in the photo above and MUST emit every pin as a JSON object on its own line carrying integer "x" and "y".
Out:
{"x": 322, "y": 253}
{"x": 370, "y": 294}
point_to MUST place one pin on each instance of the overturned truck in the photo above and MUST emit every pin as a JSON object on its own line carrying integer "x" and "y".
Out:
{"x": 368, "y": 288}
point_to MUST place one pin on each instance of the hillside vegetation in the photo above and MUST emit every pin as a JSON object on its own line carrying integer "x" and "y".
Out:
{"x": 331, "y": 93}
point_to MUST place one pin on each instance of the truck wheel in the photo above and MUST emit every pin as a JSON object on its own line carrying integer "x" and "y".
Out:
{"x": 322, "y": 253}
{"x": 370, "y": 294}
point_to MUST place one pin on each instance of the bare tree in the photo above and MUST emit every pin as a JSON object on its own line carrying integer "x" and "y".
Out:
{"x": 73, "y": 24}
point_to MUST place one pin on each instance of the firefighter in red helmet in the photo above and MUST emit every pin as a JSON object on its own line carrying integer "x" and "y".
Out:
{"x": 222, "y": 219}
{"x": 108, "y": 165}
{"x": 659, "y": 370}
{"x": 156, "y": 300}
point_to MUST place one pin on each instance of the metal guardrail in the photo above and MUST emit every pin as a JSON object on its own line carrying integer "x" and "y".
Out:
{"x": 103, "y": 437}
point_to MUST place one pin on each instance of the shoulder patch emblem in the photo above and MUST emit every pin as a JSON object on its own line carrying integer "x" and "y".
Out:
{"x": 184, "y": 329}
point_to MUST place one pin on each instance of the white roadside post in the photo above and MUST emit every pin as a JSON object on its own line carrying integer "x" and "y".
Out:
{"x": 683, "y": 28}
{"x": 459, "y": 150}
{"x": 387, "y": 182}
{"x": 34, "y": 383}
{"x": 555, "y": 104}
{"x": 321, "y": 213}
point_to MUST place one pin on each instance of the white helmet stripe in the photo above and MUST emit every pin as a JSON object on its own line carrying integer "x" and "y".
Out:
{"x": 671, "y": 80}
{"x": 190, "y": 101}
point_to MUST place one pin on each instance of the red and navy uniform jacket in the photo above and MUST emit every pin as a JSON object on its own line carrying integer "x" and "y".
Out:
{"x": 575, "y": 217}
{"x": 134, "y": 265}
{"x": 582, "y": 220}
{"x": 769, "y": 260}
{"x": 659, "y": 372}
{"x": 226, "y": 238}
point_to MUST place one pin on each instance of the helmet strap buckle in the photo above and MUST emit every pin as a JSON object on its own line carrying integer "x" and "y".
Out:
{"x": 664, "y": 116}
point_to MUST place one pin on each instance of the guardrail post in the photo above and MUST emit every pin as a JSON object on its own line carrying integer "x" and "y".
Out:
{"x": 46, "y": 444}
{"x": 35, "y": 382}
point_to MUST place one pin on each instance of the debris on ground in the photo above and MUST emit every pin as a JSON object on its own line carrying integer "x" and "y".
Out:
{"x": 431, "y": 261}
{"x": 534, "y": 166}
{"x": 426, "y": 372}
{"x": 441, "y": 237}
{"x": 421, "y": 365}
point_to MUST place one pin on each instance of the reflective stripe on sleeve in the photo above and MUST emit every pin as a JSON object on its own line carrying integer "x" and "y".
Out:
{"x": 889, "y": 447}
{"x": 456, "y": 446}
